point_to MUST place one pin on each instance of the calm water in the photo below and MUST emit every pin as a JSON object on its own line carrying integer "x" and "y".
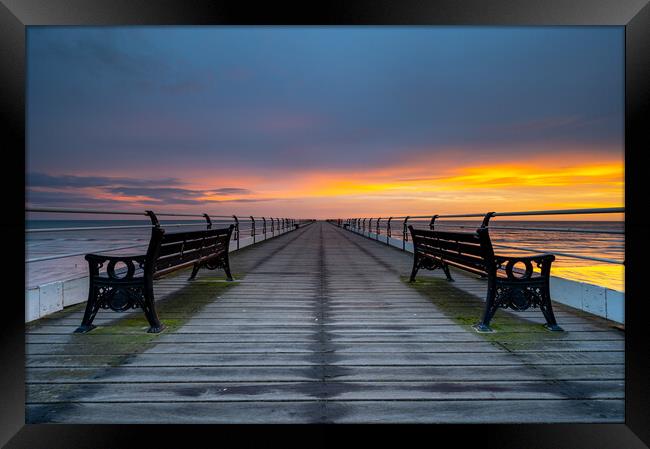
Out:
{"x": 610, "y": 246}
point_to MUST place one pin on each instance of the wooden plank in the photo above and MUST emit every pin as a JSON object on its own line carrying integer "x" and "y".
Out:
{"x": 362, "y": 359}
{"x": 474, "y": 412}
{"x": 320, "y": 373}
{"x": 355, "y": 391}
{"x": 297, "y": 346}
{"x": 307, "y": 346}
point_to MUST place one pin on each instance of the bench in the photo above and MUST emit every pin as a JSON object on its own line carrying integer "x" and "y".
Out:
{"x": 508, "y": 286}
{"x": 132, "y": 286}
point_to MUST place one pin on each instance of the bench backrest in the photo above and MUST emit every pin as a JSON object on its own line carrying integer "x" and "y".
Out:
{"x": 171, "y": 251}
{"x": 470, "y": 251}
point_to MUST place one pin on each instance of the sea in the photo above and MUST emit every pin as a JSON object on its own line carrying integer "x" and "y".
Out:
{"x": 537, "y": 235}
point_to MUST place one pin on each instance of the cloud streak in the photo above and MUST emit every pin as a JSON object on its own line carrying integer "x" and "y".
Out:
{"x": 48, "y": 189}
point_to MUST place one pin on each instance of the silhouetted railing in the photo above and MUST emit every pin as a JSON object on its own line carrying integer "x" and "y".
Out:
{"x": 252, "y": 226}
{"x": 396, "y": 227}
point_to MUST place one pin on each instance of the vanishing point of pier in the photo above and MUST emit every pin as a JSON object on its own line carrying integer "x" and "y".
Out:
{"x": 321, "y": 325}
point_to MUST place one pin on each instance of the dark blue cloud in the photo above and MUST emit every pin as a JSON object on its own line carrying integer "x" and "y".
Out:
{"x": 292, "y": 98}
{"x": 60, "y": 190}
{"x": 35, "y": 179}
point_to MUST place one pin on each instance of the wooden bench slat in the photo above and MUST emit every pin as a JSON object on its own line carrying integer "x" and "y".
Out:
{"x": 190, "y": 235}
{"x": 462, "y": 259}
{"x": 195, "y": 254}
{"x": 467, "y": 237}
{"x": 453, "y": 246}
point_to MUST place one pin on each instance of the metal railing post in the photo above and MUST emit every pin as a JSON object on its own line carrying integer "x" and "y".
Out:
{"x": 432, "y": 223}
{"x": 405, "y": 235}
{"x": 207, "y": 219}
{"x": 486, "y": 219}
{"x": 378, "y": 229}
{"x": 364, "y": 226}
{"x": 236, "y": 229}
{"x": 388, "y": 231}
{"x": 154, "y": 220}
{"x": 264, "y": 227}
{"x": 253, "y": 228}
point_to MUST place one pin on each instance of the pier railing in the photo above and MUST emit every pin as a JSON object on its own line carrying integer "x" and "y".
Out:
{"x": 393, "y": 230}
{"x": 599, "y": 242}
{"x": 246, "y": 226}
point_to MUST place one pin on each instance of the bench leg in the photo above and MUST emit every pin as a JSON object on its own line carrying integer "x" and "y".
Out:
{"x": 414, "y": 271}
{"x": 92, "y": 306}
{"x": 221, "y": 262}
{"x": 445, "y": 268}
{"x": 490, "y": 309}
{"x": 547, "y": 310}
{"x": 150, "y": 312}
{"x": 226, "y": 268}
{"x": 194, "y": 271}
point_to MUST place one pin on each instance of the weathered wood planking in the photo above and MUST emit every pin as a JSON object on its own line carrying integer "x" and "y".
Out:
{"x": 321, "y": 328}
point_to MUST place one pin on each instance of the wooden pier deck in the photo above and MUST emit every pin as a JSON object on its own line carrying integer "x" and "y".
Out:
{"x": 322, "y": 327}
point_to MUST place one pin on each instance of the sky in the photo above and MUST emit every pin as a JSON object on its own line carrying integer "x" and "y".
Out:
{"x": 322, "y": 122}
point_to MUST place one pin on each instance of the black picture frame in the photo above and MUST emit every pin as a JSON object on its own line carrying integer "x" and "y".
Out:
{"x": 16, "y": 15}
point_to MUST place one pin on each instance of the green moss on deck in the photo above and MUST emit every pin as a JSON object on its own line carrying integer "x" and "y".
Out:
{"x": 114, "y": 343}
{"x": 185, "y": 302}
{"x": 466, "y": 310}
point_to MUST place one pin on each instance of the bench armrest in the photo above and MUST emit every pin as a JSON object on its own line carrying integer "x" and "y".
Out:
{"x": 543, "y": 262}
{"x": 96, "y": 261}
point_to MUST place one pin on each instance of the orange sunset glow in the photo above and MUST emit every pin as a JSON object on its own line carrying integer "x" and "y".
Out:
{"x": 549, "y": 183}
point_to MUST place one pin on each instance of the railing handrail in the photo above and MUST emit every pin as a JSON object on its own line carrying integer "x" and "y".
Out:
{"x": 248, "y": 222}
{"x": 597, "y": 210}
{"x": 557, "y": 253}
{"x": 65, "y": 210}
{"x": 203, "y": 217}
{"x": 521, "y": 228}
{"x": 486, "y": 224}
{"x": 81, "y": 253}
{"x": 98, "y": 228}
